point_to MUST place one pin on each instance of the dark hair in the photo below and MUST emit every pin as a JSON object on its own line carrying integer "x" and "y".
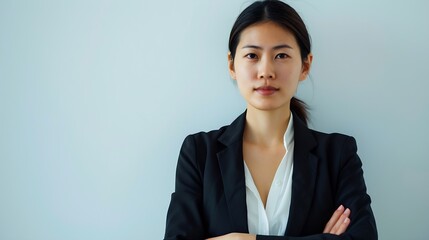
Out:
{"x": 283, "y": 15}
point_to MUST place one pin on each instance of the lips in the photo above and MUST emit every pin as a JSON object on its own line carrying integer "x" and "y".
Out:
{"x": 266, "y": 90}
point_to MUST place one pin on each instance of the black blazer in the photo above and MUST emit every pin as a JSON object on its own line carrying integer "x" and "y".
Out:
{"x": 210, "y": 192}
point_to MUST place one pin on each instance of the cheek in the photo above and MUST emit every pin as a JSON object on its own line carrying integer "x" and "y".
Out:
{"x": 289, "y": 73}
{"x": 243, "y": 69}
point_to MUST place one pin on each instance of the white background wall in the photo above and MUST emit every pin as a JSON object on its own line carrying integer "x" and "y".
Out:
{"x": 97, "y": 96}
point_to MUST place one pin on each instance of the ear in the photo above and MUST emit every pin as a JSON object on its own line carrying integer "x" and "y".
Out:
{"x": 231, "y": 66}
{"x": 306, "y": 65}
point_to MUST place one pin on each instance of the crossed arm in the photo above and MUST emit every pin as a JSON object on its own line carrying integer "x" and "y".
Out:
{"x": 336, "y": 225}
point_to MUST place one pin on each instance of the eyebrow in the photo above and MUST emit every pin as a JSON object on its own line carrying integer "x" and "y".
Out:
{"x": 274, "y": 48}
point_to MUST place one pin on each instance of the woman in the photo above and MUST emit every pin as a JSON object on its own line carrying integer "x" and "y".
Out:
{"x": 267, "y": 176}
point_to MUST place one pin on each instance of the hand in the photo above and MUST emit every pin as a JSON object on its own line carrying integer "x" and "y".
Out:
{"x": 235, "y": 236}
{"x": 339, "y": 221}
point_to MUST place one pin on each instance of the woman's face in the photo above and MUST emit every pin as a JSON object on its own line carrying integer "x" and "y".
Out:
{"x": 268, "y": 66}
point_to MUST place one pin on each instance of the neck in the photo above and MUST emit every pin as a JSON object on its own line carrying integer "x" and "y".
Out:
{"x": 266, "y": 127}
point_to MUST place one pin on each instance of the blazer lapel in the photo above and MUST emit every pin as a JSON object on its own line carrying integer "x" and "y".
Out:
{"x": 232, "y": 169}
{"x": 303, "y": 177}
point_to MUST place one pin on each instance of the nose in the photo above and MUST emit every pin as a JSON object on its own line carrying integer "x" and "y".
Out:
{"x": 266, "y": 69}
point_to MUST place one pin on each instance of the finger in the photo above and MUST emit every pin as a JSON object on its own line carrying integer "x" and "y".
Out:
{"x": 340, "y": 221}
{"x": 334, "y": 219}
{"x": 343, "y": 227}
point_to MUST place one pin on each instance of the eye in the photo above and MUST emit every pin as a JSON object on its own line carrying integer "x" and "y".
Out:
{"x": 282, "y": 56}
{"x": 251, "y": 56}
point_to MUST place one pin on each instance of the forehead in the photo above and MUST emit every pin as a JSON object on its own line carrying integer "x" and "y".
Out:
{"x": 267, "y": 34}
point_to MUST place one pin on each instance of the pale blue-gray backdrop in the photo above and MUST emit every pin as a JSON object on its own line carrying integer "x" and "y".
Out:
{"x": 96, "y": 97}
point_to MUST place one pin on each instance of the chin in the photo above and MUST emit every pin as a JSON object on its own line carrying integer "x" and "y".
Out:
{"x": 266, "y": 107}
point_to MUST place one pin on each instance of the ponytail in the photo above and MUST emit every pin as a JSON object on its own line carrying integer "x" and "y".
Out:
{"x": 300, "y": 108}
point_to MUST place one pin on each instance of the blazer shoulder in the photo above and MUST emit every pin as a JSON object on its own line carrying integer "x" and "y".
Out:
{"x": 225, "y": 135}
{"x": 207, "y": 136}
{"x": 205, "y": 142}
{"x": 334, "y": 137}
{"x": 336, "y": 143}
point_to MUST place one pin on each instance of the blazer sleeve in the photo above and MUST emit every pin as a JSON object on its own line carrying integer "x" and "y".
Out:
{"x": 351, "y": 192}
{"x": 184, "y": 220}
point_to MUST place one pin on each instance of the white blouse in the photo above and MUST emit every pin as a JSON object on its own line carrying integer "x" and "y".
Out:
{"x": 273, "y": 219}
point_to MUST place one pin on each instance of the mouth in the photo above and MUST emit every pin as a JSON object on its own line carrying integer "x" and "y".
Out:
{"x": 266, "y": 90}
